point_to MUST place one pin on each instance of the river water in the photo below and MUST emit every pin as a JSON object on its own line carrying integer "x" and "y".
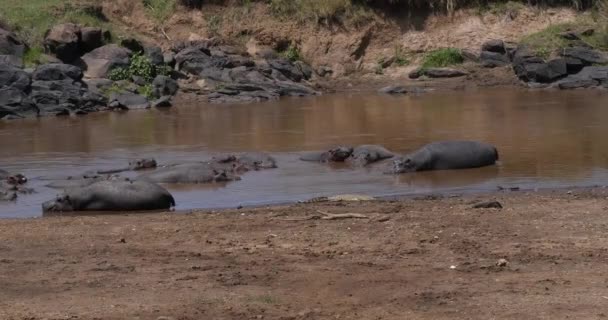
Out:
{"x": 545, "y": 139}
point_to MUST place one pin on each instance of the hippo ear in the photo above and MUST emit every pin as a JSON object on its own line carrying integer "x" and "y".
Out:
{"x": 408, "y": 160}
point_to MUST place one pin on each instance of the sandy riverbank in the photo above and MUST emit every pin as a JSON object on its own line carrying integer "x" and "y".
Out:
{"x": 276, "y": 263}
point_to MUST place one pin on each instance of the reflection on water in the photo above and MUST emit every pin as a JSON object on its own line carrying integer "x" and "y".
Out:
{"x": 545, "y": 138}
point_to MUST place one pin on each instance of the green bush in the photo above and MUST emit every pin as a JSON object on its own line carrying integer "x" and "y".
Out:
{"x": 33, "y": 57}
{"x": 140, "y": 66}
{"x": 292, "y": 53}
{"x": 146, "y": 91}
{"x": 442, "y": 58}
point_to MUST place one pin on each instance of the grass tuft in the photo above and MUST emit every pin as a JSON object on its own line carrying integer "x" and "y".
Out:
{"x": 442, "y": 58}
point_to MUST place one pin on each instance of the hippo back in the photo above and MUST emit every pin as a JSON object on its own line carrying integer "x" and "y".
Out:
{"x": 461, "y": 154}
{"x": 121, "y": 196}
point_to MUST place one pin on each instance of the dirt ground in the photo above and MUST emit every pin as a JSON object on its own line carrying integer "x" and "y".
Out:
{"x": 432, "y": 258}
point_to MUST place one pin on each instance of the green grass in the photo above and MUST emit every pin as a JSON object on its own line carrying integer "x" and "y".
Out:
{"x": 548, "y": 41}
{"x": 30, "y": 19}
{"x": 159, "y": 10}
{"x": 292, "y": 53}
{"x": 442, "y": 58}
{"x": 33, "y": 57}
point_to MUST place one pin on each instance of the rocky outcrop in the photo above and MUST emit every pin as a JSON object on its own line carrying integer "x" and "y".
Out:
{"x": 53, "y": 89}
{"x": 588, "y": 77}
{"x": 128, "y": 101}
{"x": 63, "y": 41}
{"x": 11, "y": 48}
{"x": 586, "y": 55}
{"x": 494, "y": 54}
{"x": 238, "y": 78}
{"x": 99, "y": 62}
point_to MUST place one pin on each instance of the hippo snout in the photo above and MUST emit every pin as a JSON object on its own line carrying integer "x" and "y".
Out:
{"x": 59, "y": 204}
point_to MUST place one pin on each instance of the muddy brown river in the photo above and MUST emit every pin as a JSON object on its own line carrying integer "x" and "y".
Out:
{"x": 545, "y": 139}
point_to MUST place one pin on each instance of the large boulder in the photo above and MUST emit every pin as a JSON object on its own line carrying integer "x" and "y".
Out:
{"x": 491, "y": 59}
{"x": 13, "y": 77}
{"x": 91, "y": 38}
{"x": 56, "y": 71}
{"x": 63, "y": 40}
{"x": 14, "y": 103}
{"x": 588, "y": 77}
{"x": 128, "y": 101}
{"x": 132, "y": 44}
{"x": 586, "y": 55}
{"x": 287, "y": 69}
{"x": 543, "y": 72}
{"x": 64, "y": 97}
{"x": 11, "y": 48}
{"x": 155, "y": 55}
{"x": 164, "y": 86}
{"x": 496, "y": 46}
{"x": 99, "y": 62}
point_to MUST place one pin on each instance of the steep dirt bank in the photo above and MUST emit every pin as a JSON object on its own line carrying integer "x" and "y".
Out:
{"x": 415, "y": 259}
{"x": 345, "y": 48}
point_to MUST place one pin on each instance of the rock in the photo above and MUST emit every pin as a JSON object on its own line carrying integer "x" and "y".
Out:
{"x": 573, "y": 65}
{"x": 13, "y": 77}
{"x": 164, "y": 86}
{"x": 323, "y": 71}
{"x": 496, "y": 46}
{"x": 586, "y": 55}
{"x": 140, "y": 81}
{"x": 488, "y": 205}
{"x": 469, "y": 55}
{"x": 155, "y": 55}
{"x": 91, "y": 38}
{"x": 569, "y": 35}
{"x": 130, "y": 101}
{"x": 133, "y": 45}
{"x": 543, "y": 72}
{"x": 393, "y": 90}
{"x": 415, "y": 74}
{"x": 587, "y": 77}
{"x": 63, "y": 97}
{"x": 444, "y": 73}
{"x": 286, "y": 68}
{"x": 572, "y": 82}
{"x": 502, "y": 263}
{"x": 305, "y": 69}
{"x": 169, "y": 59}
{"x": 14, "y": 103}
{"x": 98, "y": 86}
{"x": 195, "y": 61}
{"x": 11, "y": 48}
{"x": 99, "y": 62}
{"x": 162, "y": 102}
{"x": 57, "y": 71}
{"x": 63, "y": 40}
{"x": 588, "y": 32}
{"x": 491, "y": 59}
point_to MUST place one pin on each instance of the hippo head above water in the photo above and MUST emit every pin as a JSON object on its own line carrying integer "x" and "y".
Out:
{"x": 61, "y": 203}
{"x": 141, "y": 164}
{"x": 404, "y": 165}
{"x": 339, "y": 154}
{"x": 16, "y": 179}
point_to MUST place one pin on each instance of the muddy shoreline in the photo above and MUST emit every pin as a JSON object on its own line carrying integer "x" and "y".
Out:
{"x": 422, "y": 259}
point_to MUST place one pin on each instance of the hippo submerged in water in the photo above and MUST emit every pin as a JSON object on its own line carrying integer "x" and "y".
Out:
{"x": 446, "y": 155}
{"x": 358, "y": 156}
{"x": 112, "y": 196}
{"x": 11, "y": 185}
{"x": 190, "y": 173}
{"x": 134, "y": 165}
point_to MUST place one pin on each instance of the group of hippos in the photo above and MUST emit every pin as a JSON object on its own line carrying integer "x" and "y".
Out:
{"x": 107, "y": 191}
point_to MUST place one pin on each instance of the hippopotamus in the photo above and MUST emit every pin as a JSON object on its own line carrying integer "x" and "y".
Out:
{"x": 112, "y": 196}
{"x": 14, "y": 179}
{"x": 80, "y": 181}
{"x": 134, "y": 165}
{"x": 337, "y": 154}
{"x": 202, "y": 172}
{"x": 256, "y": 161}
{"x": 446, "y": 155}
{"x": 368, "y": 154}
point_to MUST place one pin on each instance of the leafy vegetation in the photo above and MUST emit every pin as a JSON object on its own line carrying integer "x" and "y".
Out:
{"x": 442, "y": 58}
{"x": 140, "y": 66}
{"x": 548, "y": 41}
{"x": 292, "y": 53}
{"x": 33, "y": 57}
